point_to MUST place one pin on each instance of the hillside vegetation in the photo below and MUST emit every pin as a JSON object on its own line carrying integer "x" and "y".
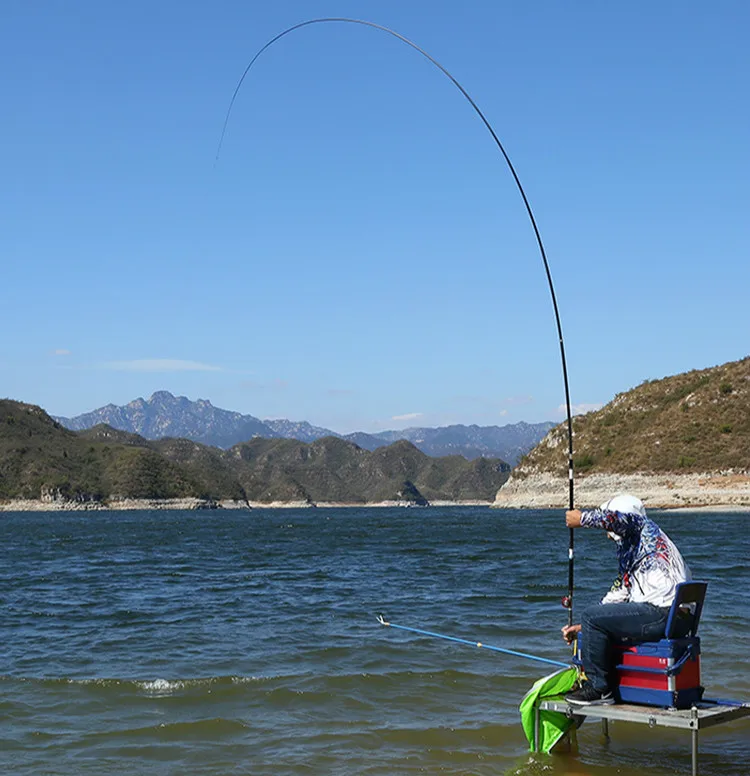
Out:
{"x": 693, "y": 422}
{"x": 39, "y": 458}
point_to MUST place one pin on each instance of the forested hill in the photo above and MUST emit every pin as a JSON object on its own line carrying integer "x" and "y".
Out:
{"x": 39, "y": 458}
{"x": 693, "y": 422}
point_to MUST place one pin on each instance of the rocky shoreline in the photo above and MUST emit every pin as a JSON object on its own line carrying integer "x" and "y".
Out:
{"x": 61, "y": 505}
{"x": 658, "y": 491}
{"x": 727, "y": 490}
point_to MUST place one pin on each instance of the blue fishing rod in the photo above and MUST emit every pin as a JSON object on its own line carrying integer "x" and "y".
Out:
{"x": 473, "y": 643}
{"x": 567, "y": 600}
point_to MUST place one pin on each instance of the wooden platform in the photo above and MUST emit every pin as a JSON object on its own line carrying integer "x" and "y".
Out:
{"x": 702, "y": 715}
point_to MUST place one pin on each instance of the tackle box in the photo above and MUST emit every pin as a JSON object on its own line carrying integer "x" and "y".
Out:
{"x": 659, "y": 673}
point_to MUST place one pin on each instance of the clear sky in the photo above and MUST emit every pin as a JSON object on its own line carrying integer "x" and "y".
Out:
{"x": 359, "y": 257}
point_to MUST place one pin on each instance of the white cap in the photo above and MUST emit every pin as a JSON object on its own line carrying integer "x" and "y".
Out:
{"x": 625, "y": 503}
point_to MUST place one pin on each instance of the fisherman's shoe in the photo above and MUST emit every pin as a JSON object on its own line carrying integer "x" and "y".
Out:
{"x": 586, "y": 695}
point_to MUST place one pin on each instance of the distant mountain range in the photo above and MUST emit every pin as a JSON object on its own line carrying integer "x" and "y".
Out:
{"x": 165, "y": 415}
{"x": 41, "y": 460}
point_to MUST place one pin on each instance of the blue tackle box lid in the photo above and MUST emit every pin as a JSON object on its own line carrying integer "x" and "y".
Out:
{"x": 666, "y": 648}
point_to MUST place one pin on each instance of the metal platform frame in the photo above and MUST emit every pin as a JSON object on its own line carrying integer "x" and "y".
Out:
{"x": 702, "y": 715}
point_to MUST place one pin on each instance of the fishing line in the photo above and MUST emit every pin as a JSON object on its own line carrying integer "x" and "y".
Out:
{"x": 568, "y": 600}
{"x": 513, "y": 652}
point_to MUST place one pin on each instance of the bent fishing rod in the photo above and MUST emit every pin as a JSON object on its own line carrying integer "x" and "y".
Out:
{"x": 567, "y": 600}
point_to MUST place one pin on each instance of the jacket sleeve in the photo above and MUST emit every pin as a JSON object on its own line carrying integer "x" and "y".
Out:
{"x": 617, "y": 522}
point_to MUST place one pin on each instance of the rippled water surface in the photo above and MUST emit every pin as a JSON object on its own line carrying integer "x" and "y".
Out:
{"x": 247, "y": 642}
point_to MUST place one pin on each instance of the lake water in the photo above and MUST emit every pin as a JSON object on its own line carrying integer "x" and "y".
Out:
{"x": 220, "y": 643}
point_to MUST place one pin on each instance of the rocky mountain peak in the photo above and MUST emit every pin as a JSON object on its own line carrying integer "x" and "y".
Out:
{"x": 166, "y": 398}
{"x": 166, "y": 415}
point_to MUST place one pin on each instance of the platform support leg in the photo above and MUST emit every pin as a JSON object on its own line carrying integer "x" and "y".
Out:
{"x": 605, "y": 728}
{"x": 695, "y": 751}
{"x": 694, "y": 742}
{"x": 536, "y": 727}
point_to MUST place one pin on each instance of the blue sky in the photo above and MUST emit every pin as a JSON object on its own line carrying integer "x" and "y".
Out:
{"x": 359, "y": 257}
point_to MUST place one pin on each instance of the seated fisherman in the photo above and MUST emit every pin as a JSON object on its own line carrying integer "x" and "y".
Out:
{"x": 637, "y": 606}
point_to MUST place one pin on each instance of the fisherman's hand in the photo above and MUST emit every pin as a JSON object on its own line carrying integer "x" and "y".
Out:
{"x": 573, "y": 518}
{"x": 569, "y": 632}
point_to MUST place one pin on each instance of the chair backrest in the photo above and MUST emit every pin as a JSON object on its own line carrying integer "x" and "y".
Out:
{"x": 685, "y": 613}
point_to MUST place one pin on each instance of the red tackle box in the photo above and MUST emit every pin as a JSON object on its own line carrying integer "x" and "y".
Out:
{"x": 659, "y": 673}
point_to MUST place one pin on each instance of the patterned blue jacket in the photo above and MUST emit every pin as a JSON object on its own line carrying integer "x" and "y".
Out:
{"x": 650, "y": 566}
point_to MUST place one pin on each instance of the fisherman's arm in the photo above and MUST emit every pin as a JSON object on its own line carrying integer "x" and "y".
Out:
{"x": 616, "y": 522}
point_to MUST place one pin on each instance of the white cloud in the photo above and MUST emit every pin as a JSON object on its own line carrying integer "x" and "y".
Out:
{"x": 408, "y": 416}
{"x": 502, "y": 413}
{"x": 61, "y": 352}
{"x": 160, "y": 365}
{"x": 580, "y": 409}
